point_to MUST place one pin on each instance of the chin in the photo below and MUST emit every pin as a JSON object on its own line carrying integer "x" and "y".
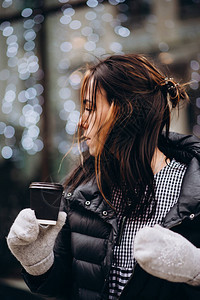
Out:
{"x": 92, "y": 151}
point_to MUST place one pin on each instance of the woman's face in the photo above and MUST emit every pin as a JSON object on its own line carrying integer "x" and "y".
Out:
{"x": 92, "y": 119}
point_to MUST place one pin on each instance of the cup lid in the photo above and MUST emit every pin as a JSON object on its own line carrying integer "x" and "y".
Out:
{"x": 46, "y": 185}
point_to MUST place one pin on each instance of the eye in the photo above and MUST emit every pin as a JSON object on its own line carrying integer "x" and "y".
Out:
{"x": 88, "y": 109}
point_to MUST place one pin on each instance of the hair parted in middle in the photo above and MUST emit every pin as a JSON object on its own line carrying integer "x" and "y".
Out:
{"x": 141, "y": 98}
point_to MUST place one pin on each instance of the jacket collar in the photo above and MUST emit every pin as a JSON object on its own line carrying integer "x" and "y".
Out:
{"x": 188, "y": 205}
{"x": 185, "y": 149}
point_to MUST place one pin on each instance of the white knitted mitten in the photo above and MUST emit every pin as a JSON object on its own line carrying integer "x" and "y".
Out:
{"x": 31, "y": 243}
{"x": 167, "y": 255}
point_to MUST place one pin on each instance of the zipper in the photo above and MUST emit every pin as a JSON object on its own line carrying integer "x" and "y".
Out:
{"x": 121, "y": 229}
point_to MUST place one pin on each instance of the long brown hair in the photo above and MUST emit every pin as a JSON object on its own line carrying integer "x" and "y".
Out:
{"x": 141, "y": 98}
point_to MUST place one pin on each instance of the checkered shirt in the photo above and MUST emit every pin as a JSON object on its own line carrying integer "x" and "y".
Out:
{"x": 167, "y": 189}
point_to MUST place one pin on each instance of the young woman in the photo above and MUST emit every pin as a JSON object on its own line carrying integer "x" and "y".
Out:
{"x": 133, "y": 203}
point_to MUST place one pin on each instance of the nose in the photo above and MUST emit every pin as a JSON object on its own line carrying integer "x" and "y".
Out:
{"x": 83, "y": 122}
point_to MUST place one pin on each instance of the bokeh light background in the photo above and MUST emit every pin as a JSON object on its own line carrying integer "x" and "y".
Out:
{"x": 43, "y": 47}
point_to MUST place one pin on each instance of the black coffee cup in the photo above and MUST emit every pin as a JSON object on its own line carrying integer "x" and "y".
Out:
{"x": 45, "y": 198}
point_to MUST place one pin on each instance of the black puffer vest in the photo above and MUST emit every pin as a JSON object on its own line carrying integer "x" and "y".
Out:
{"x": 84, "y": 247}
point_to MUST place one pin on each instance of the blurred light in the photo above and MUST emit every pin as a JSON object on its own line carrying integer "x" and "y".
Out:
{"x": 63, "y": 147}
{"x": 26, "y": 12}
{"x": 75, "y": 77}
{"x": 29, "y": 46}
{"x": 10, "y": 96}
{"x": 66, "y": 47}
{"x": 31, "y": 116}
{"x": 66, "y": 19}
{"x": 22, "y": 67}
{"x": 64, "y": 64}
{"x": 74, "y": 116}
{"x": 27, "y": 142}
{"x": 6, "y": 3}
{"x": 24, "y": 76}
{"x": 39, "y": 89}
{"x": 75, "y": 149}
{"x": 122, "y": 17}
{"x": 75, "y": 24}
{"x": 195, "y": 76}
{"x": 116, "y": 47}
{"x": 93, "y": 37}
{"x": 9, "y": 132}
{"x": 194, "y": 85}
{"x": 12, "y": 62}
{"x": 113, "y": 2}
{"x": 63, "y": 115}
{"x": 32, "y": 58}
{"x": 4, "y": 25}
{"x": 96, "y": 24}
{"x": 38, "y": 19}
{"x": 29, "y": 24}
{"x": 6, "y": 152}
{"x": 11, "y": 86}
{"x": 86, "y": 30}
{"x": 30, "y": 93}
{"x": 122, "y": 31}
{"x": 90, "y": 15}
{"x": 22, "y": 121}
{"x": 163, "y": 46}
{"x": 90, "y": 46}
{"x": 194, "y": 65}
{"x": 69, "y": 11}
{"x": 26, "y": 109}
{"x": 198, "y": 102}
{"x": 12, "y": 50}
{"x": 69, "y": 106}
{"x": 64, "y": 93}
{"x": 37, "y": 108}
{"x": 100, "y": 7}
{"x": 39, "y": 74}
{"x": 33, "y": 67}
{"x": 7, "y": 31}
{"x": 71, "y": 127}
{"x": 22, "y": 96}
{"x": 99, "y": 51}
{"x": 11, "y": 39}
{"x": 2, "y": 127}
{"x": 6, "y": 107}
{"x": 107, "y": 17}
{"x": 92, "y": 3}
{"x": 29, "y": 35}
{"x": 63, "y": 1}
{"x": 39, "y": 144}
{"x": 33, "y": 131}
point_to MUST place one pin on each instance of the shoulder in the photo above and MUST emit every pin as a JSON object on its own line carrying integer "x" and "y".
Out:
{"x": 87, "y": 197}
{"x": 181, "y": 147}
